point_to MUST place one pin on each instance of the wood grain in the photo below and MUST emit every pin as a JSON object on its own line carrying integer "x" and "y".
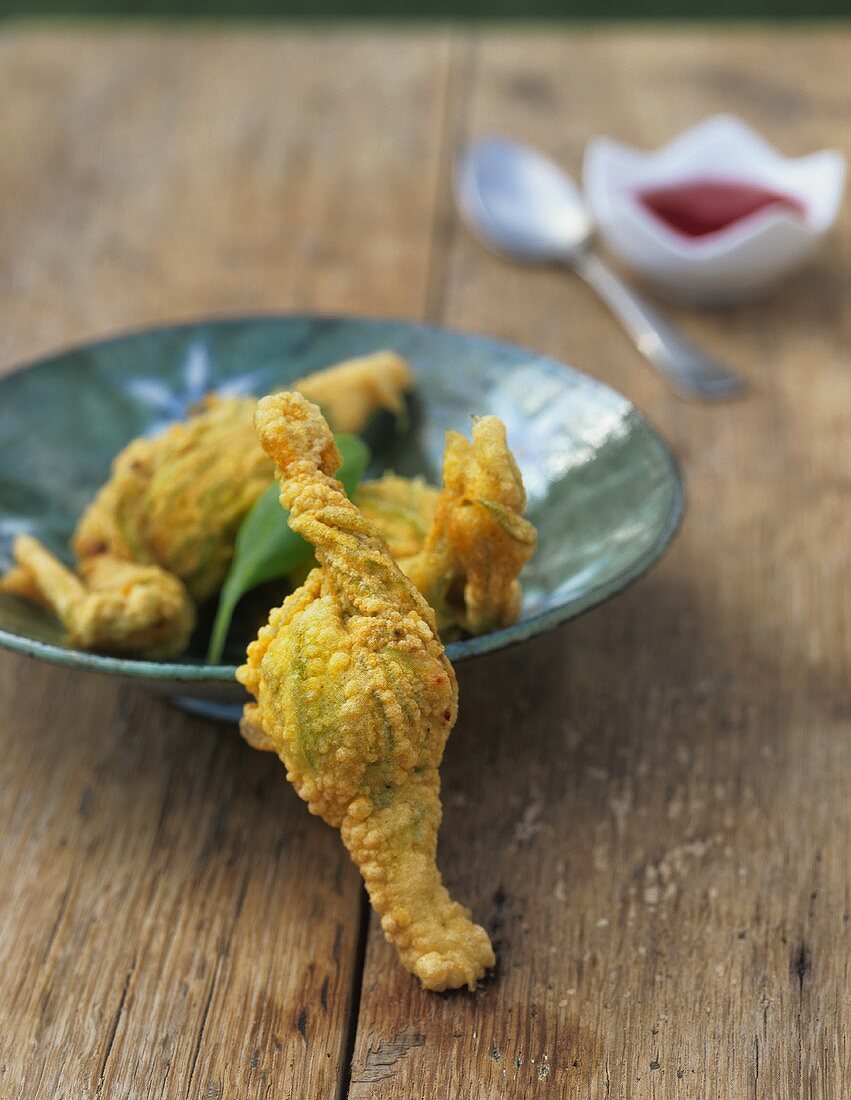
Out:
{"x": 158, "y": 177}
{"x": 649, "y": 809}
{"x": 172, "y": 921}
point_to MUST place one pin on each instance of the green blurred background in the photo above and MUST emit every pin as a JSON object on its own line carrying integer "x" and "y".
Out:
{"x": 514, "y": 10}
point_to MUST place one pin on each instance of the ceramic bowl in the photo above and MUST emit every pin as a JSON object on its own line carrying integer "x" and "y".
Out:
{"x": 603, "y": 490}
{"x": 735, "y": 263}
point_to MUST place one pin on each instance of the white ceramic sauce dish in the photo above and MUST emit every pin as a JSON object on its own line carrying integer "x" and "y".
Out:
{"x": 732, "y": 263}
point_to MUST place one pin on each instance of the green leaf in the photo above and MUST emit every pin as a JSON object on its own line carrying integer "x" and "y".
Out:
{"x": 266, "y": 548}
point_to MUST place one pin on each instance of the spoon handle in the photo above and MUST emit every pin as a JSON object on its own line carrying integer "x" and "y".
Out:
{"x": 689, "y": 370}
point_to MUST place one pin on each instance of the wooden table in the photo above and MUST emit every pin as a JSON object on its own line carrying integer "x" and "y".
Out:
{"x": 649, "y": 809}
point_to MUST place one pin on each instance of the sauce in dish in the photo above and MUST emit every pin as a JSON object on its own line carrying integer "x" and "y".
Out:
{"x": 696, "y": 208}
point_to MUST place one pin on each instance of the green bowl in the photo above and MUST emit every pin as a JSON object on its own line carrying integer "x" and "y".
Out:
{"x": 603, "y": 489}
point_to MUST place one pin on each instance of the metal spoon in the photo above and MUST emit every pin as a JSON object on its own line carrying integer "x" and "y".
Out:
{"x": 522, "y": 205}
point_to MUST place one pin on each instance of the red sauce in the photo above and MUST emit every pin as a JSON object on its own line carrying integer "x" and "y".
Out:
{"x": 699, "y": 207}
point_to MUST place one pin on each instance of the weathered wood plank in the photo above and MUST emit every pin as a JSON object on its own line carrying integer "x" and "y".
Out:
{"x": 653, "y": 819}
{"x": 650, "y": 808}
{"x": 172, "y": 921}
{"x": 161, "y": 176}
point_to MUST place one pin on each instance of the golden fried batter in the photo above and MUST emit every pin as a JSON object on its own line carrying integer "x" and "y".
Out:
{"x": 355, "y": 694}
{"x": 402, "y": 508}
{"x": 113, "y": 606}
{"x": 176, "y": 502}
{"x": 478, "y": 541}
{"x": 350, "y": 393}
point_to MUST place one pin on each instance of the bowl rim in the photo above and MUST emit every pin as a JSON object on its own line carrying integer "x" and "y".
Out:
{"x": 144, "y": 670}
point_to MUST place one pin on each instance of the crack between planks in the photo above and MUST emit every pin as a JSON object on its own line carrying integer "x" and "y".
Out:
{"x": 113, "y": 1031}
{"x": 802, "y": 966}
{"x": 123, "y": 713}
{"x": 754, "y": 1090}
{"x": 348, "y": 1055}
{"x": 60, "y": 913}
{"x": 204, "y": 1014}
{"x": 453, "y": 129}
{"x": 196, "y": 1054}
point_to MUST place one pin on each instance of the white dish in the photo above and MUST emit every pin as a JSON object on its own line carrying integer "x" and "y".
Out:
{"x": 733, "y": 263}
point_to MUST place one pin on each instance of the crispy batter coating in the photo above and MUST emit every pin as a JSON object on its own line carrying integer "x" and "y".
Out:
{"x": 478, "y": 541}
{"x": 351, "y": 392}
{"x": 402, "y": 508}
{"x": 114, "y": 606}
{"x": 355, "y": 694}
{"x": 19, "y": 580}
{"x": 177, "y": 500}
{"x": 174, "y": 504}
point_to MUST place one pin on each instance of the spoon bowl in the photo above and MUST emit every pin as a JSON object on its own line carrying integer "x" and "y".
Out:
{"x": 522, "y": 203}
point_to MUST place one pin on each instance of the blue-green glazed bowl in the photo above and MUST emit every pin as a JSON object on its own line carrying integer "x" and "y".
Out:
{"x": 603, "y": 489}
